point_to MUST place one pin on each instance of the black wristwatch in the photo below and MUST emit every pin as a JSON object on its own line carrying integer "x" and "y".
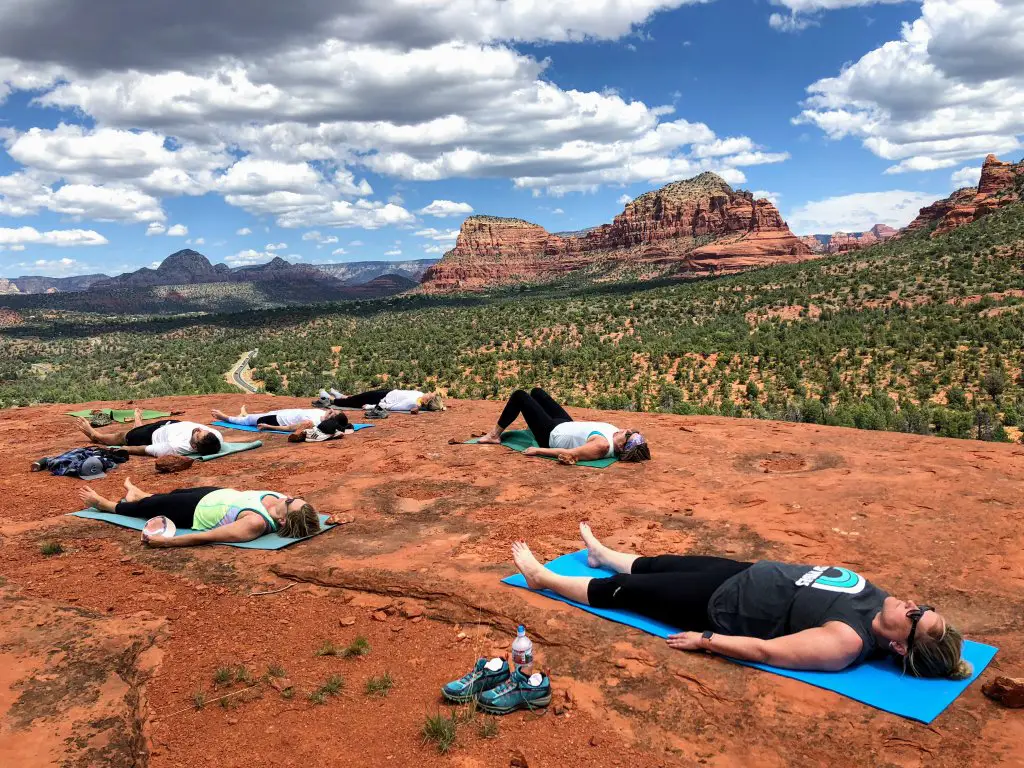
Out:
{"x": 708, "y": 634}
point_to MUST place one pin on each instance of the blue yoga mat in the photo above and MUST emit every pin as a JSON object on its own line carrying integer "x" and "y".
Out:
{"x": 241, "y": 428}
{"x": 267, "y": 541}
{"x": 226, "y": 449}
{"x": 878, "y": 683}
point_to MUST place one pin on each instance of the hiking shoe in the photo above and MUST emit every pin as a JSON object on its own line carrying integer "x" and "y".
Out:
{"x": 101, "y": 419}
{"x": 485, "y": 675}
{"x": 322, "y": 402}
{"x": 376, "y": 413}
{"x": 518, "y": 692}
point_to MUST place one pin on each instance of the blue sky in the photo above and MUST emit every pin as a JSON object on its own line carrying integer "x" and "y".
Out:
{"x": 369, "y": 130}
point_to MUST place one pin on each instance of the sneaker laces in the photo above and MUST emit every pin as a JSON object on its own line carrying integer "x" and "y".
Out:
{"x": 469, "y": 677}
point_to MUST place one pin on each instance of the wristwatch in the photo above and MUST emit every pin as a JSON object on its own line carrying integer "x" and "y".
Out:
{"x": 708, "y": 634}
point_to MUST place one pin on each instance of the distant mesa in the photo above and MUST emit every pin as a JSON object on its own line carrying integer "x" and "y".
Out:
{"x": 845, "y": 242}
{"x": 688, "y": 228}
{"x": 1001, "y": 184}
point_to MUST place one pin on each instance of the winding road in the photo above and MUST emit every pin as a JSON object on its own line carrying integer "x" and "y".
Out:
{"x": 236, "y": 373}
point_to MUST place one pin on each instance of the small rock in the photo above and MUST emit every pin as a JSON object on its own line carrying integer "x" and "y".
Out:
{"x": 280, "y": 683}
{"x": 411, "y": 610}
{"x": 1008, "y": 691}
{"x": 622, "y": 664}
{"x": 379, "y": 616}
{"x": 138, "y": 572}
{"x": 559, "y": 709}
{"x": 518, "y": 760}
{"x": 461, "y": 636}
{"x": 569, "y": 698}
{"x": 126, "y": 559}
{"x": 232, "y": 721}
{"x": 348, "y": 621}
{"x": 651, "y": 526}
{"x": 397, "y": 628}
{"x": 594, "y": 741}
{"x": 417, "y": 619}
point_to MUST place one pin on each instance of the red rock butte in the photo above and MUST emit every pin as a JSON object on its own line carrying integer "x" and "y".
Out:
{"x": 845, "y": 242}
{"x": 1001, "y": 184}
{"x": 693, "y": 227}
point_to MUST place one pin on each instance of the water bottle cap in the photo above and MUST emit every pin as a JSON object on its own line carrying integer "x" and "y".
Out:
{"x": 521, "y": 630}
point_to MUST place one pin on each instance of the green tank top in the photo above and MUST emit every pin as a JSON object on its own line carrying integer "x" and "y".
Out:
{"x": 223, "y": 507}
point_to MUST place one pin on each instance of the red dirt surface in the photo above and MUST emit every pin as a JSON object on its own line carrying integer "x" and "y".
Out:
{"x": 103, "y": 647}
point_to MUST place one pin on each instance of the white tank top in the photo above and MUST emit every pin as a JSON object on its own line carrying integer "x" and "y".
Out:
{"x": 573, "y": 434}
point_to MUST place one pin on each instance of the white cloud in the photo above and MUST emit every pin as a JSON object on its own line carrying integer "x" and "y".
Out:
{"x": 178, "y": 230}
{"x": 62, "y": 238}
{"x": 436, "y": 248}
{"x": 197, "y": 241}
{"x": 271, "y": 247}
{"x": 355, "y": 244}
{"x": 625, "y": 200}
{"x": 442, "y": 208}
{"x": 243, "y": 232}
{"x": 55, "y": 267}
{"x": 248, "y": 257}
{"x": 317, "y": 237}
{"x": 435, "y": 234}
{"x": 155, "y": 228}
{"x": 858, "y": 212}
{"x": 806, "y": 13}
{"x": 929, "y": 100}
{"x": 772, "y": 197}
{"x": 338, "y": 252}
{"x": 966, "y": 177}
{"x": 393, "y": 252}
{"x": 557, "y": 211}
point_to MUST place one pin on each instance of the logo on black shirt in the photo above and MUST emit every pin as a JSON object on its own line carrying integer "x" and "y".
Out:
{"x": 837, "y": 580}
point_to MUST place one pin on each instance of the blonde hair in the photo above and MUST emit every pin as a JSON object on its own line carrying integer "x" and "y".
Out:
{"x": 435, "y": 403}
{"x": 938, "y": 654}
{"x": 301, "y": 523}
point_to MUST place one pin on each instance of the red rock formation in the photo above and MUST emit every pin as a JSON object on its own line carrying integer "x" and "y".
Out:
{"x": 1001, "y": 184}
{"x": 699, "y": 225}
{"x": 844, "y": 242}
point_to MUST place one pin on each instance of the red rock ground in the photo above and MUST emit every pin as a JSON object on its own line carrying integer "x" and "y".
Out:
{"x": 103, "y": 646}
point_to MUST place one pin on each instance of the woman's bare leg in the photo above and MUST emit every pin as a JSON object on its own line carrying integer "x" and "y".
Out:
{"x": 598, "y": 555}
{"x": 539, "y": 577}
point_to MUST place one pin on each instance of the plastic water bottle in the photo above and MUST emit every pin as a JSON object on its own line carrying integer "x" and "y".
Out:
{"x": 522, "y": 651}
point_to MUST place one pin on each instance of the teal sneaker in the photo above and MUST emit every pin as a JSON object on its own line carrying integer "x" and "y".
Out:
{"x": 484, "y": 676}
{"x": 518, "y": 692}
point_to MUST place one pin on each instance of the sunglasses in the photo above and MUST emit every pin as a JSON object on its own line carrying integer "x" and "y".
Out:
{"x": 915, "y": 616}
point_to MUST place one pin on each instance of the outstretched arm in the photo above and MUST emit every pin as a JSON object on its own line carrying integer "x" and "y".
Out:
{"x": 247, "y": 528}
{"x": 830, "y": 648}
{"x": 593, "y": 449}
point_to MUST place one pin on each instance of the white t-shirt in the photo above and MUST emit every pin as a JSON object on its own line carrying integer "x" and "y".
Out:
{"x": 173, "y": 439}
{"x": 289, "y": 417}
{"x": 400, "y": 400}
{"x": 573, "y": 434}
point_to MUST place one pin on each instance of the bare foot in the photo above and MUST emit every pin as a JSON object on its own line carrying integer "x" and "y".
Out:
{"x": 220, "y": 415}
{"x": 242, "y": 411}
{"x": 490, "y": 439}
{"x": 90, "y": 497}
{"x": 528, "y": 565}
{"x": 595, "y": 549}
{"x": 132, "y": 492}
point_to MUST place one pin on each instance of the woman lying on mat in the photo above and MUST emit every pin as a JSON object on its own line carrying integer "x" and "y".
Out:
{"x": 411, "y": 400}
{"x": 791, "y": 616}
{"x": 220, "y": 514}
{"x": 161, "y": 438}
{"x": 292, "y": 419}
{"x": 567, "y": 440}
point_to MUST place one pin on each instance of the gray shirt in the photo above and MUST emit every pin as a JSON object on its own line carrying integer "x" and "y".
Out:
{"x": 772, "y": 599}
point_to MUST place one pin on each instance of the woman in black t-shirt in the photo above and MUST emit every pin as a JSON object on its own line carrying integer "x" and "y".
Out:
{"x": 791, "y": 616}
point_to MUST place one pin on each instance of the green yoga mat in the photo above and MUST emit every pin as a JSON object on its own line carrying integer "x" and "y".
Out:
{"x": 266, "y": 541}
{"x": 123, "y": 416}
{"x": 521, "y": 439}
{"x": 226, "y": 450}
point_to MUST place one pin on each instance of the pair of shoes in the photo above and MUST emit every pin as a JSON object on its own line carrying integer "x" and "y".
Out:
{"x": 321, "y": 402}
{"x": 499, "y": 690}
{"x": 336, "y": 394}
{"x": 376, "y": 413}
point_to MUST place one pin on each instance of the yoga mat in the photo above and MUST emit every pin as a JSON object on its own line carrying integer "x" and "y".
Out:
{"x": 241, "y": 428}
{"x": 878, "y": 683}
{"x": 521, "y": 439}
{"x": 123, "y": 416}
{"x": 226, "y": 450}
{"x": 267, "y": 541}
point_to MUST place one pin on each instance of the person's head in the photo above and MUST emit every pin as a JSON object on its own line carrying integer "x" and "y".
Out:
{"x": 921, "y": 639}
{"x": 205, "y": 442}
{"x": 630, "y": 445}
{"x": 335, "y": 421}
{"x": 432, "y": 401}
{"x": 295, "y": 518}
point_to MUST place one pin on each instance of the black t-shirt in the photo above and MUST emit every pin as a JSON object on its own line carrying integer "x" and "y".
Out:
{"x": 772, "y": 599}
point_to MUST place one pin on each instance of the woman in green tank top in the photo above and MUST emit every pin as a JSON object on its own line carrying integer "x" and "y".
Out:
{"x": 218, "y": 515}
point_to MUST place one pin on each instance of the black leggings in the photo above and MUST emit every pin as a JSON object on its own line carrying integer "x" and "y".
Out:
{"x": 179, "y": 505}
{"x": 358, "y": 401}
{"x": 674, "y": 589}
{"x": 270, "y": 421}
{"x": 541, "y": 413}
{"x": 144, "y": 435}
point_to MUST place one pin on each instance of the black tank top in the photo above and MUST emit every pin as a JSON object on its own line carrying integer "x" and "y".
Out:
{"x": 772, "y": 599}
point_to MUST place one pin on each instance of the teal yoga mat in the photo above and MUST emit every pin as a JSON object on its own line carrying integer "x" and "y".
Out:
{"x": 267, "y": 541}
{"x": 521, "y": 439}
{"x": 878, "y": 683}
{"x": 123, "y": 416}
{"x": 226, "y": 450}
{"x": 241, "y": 428}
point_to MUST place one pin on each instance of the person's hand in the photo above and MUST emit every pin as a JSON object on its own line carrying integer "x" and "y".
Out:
{"x": 531, "y": 451}
{"x": 686, "y": 641}
{"x": 566, "y": 458}
{"x": 262, "y": 427}
{"x": 156, "y": 542}
{"x": 415, "y": 410}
